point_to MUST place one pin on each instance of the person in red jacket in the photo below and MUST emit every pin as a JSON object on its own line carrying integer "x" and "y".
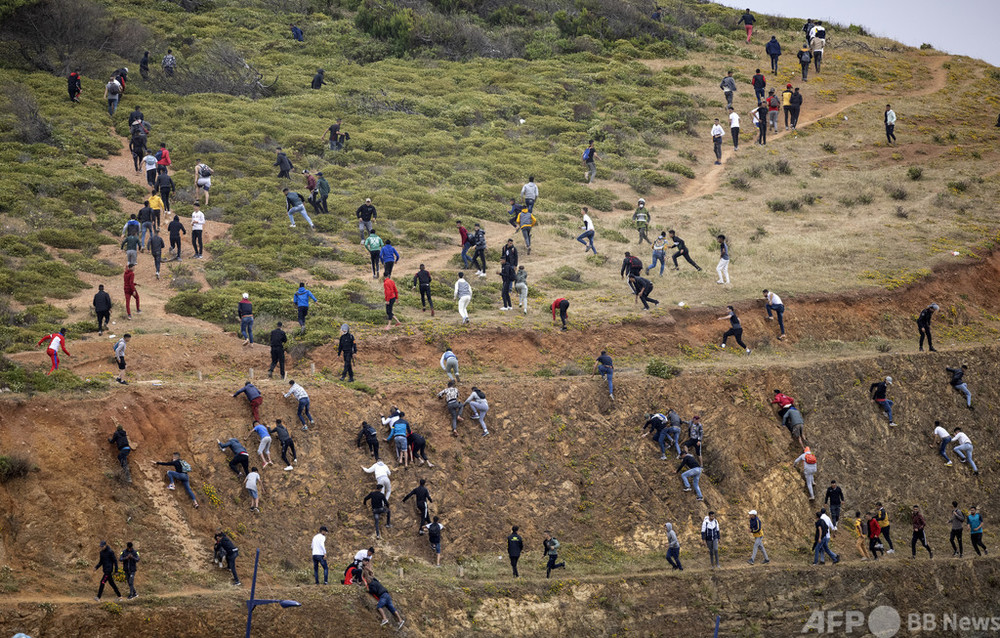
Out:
{"x": 57, "y": 341}
{"x": 163, "y": 156}
{"x": 783, "y": 401}
{"x": 130, "y": 291}
{"x": 563, "y": 305}
{"x": 874, "y": 530}
{"x": 391, "y": 295}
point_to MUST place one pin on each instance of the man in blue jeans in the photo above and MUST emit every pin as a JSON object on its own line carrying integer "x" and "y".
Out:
{"x": 878, "y": 390}
{"x": 606, "y": 369}
{"x": 821, "y": 543}
{"x": 300, "y": 393}
{"x": 179, "y": 473}
{"x": 673, "y": 430}
{"x": 294, "y": 204}
{"x": 692, "y": 475}
{"x": 588, "y": 232}
{"x": 772, "y": 302}
{"x": 319, "y": 555}
{"x": 245, "y": 310}
{"x": 942, "y": 435}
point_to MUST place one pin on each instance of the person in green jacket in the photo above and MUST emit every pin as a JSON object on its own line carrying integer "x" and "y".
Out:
{"x": 374, "y": 244}
{"x": 131, "y": 245}
{"x": 323, "y": 187}
{"x": 641, "y": 218}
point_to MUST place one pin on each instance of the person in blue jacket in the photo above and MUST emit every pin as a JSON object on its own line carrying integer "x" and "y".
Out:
{"x": 389, "y": 256}
{"x": 302, "y": 298}
{"x": 297, "y": 33}
{"x": 773, "y": 49}
{"x": 397, "y": 436}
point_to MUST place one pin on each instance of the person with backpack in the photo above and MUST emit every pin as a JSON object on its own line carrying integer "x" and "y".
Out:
{"x": 890, "y": 125}
{"x": 681, "y": 251}
{"x": 919, "y": 534}
{"x": 761, "y": 121}
{"x": 958, "y": 384}
{"x": 759, "y": 83}
{"x": 821, "y": 542}
{"x": 878, "y": 390}
{"x": 129, "y": 561}
{"x": 515, "y": 545}
{"x": 319, "y": 555}
{"x": 796, "y": 106}
{"x": 673, "y": 548}
{"x": 691, "y": 476}
{"x": 423, "y": 280}
{"x": 479, "y": 256}
{"x": 710, "y": 533}
{"x": 296, "y": 390}
{"x": 366, "y": 215}
{"x": 924, "y": 326}
{"x": 633, "y": 266}
{"x": 975, "y": 521}
{"x": 119, "y": 350}
{"x": 860, "y": 535}
{"x": 728, "y": 86}
{"x": 102, "y": 308}
{"x": 179, "y": 473}
{"x": 642, "y": 287}
{"x": 717, "y": 134}
{"x": 479, "y": 406}
{"x": 772, "y": 303}
{"x": 809, "y": 463}
{"x": 253, "y": 483}
{"x": 149, "y": 163}
{"x": 301, "y": 299}
{"x": 57, "y": 342}
{"x": 131, "y": 290}
{"x": 202, "y": 179}
{"x": 941, "y": 440}
{"x": 525, "y": 222}
{"x": 169, "y": 63}
{"x": 119, "y": 439}
{"x": 817, "y": 42}
{"x": 294, "y": 204}
{"x": 659, "y": 253}
{"x": 112, "y": 93}
{"x": 422, "y": 498}
{"x": 835, "y": 497}
{"x": 389, "y": 256}
{"x": 277, "y": 340}
{"x": 604, "y": 366}
{"x": 773, "y": 49}
{"x": 735, "y": 329}
{"x": 163, "y": 160}
{"x": 434, "y": 536}
{"x": 450, "y": 396}
{"x": 550, "y": 549}
{"x": 380, "y": 506}
{"x": 757, "y": 531}
{"x": 805, "y": 57}
{"x": 722, "y": 268}
{"x": 748, "y": 20}
{"x": 74, "y": 85}
{"x": 370, "y": 436}
{"x": 962, "y": 445}
{"x": 590, "y": 157}
{"x": 347, "y": 348}
{"x": 253, "y": 396}
{"x": 287, "y": 443}
{"x": 463, "y": 292}
{"x": 284, "y": 164}
{"x": 588, "y": 232}
{"x": 529, "y": 193}
{"x": 108, "y": 563}
{"x": 137, "y": 146}
{"x": 164, "y": 184}
{"x": 957, "y": 525}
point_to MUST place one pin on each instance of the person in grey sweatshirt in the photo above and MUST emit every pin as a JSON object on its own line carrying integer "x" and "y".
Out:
{"x": 530, "y": 193}
{"x": 728, "y": 86}
{"x": 674, "y": 548}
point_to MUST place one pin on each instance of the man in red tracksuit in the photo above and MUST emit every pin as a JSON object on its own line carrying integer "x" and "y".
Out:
{"x": 562, "y": 304}
{"x": 130, "y": 291}
{"x": 391, "y": 295}
{"x": 57, "y": 341}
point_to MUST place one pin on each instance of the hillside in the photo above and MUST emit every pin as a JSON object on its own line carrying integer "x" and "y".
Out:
{"x": 451, "y": 106}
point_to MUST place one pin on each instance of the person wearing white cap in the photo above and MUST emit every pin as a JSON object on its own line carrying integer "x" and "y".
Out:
{"x": 878, "y": 390}
{"x": 245, "y": 310}
{"x": 757, "y": 530}
{"x": 924, "y": 326}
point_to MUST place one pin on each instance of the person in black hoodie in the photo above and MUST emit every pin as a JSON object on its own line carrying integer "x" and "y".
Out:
{"x": 284, "y": 164}
{"x": 319, "y": 79}
{"x": 129, "y": 559}
{"x": 277, "y": 340}
{"x": 102, "y": 306}
{"x": 175, "y": 228}
{"x": 423, "y": 279}
{"x": 795, "y": 106}
{"x": 165, "y": 184}
{"x": 422, "y": 497}
{"x": 507, "y": 277}
{"x": 348, "y": 349}
{"x": 924, "y": 326}
{"x": 144, "y": 66}
{"x": 371, "y": 438}
{"x": 380, "y": 506}
{"x": 225, "y": 547}
{"x": 120, "y": 439}
{"x": 109, "y": 564}
{"x": 515, "y": 545}
{"x": 957, "y": 382}
{"x": 75, "y": 87}
{"x": 287, "y": 443}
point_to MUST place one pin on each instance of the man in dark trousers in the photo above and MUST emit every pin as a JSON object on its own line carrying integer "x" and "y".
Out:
{"x": 759, "y": 84}
{"x": 277, "y": 341}
{"x": 423, "y": 280}
{"x": 773, "y": 49}
{"x": 240, "y": 456}
{"x": 631, "y": 265}
{"x": 562, "y": 305}
{"x": 422, "y": 498}
{"x": 287, "y": 443}
{"x": 642, "y": 287}
{"x": 283, "y": 163}
{"x": 74, "y": 86}
{"x": 370, "y": 436}
{"x": 120, "y": 439}
{"x": 319, "y": 80}
{"x": 108, "y": 562}
{"x": 102, "y": 306}
{"x": 515, "y": 545}
{"x": 380, "y": 506}
{"x": 347, "y": 348}
{"x": 835, "y": 497}
{"x": 917, "y": 519}
{"x": 682, "y": 251}
{"x": 507, "y": 277}
{"x": 130, "y": 559}
{"x": 550, "y": 548}
{"x": 225, "y": 547}
{"x": 924, "y": 326}
{"x": 174, "y": 229}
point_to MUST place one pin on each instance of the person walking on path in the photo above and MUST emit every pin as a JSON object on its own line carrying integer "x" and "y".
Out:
{"x": 422, "y": 280}
{"x": 319, "y": 555}
{"x": 277, "y": 341}
{"x": 550, "y": 549}
{"x": 107, "y": 562}
{"x": 859, "y": 536}
{"x": 381, "y": 472}
{"x": 119, "y": 439}
{"x": 463, "y": 292}
{"x": 525, "y": 222}
{"x": 466, "y": 242}
{"x": 835, "y": 497}
{"x": 202, "y": 180}
{"x": 120, "y": 357}
{"x": 562, "y": 305}
{"x": 380, "y": 506}
{"x": 890, "y": 125}
{"x": 521, "y": 286}
{"x": 253, "y": 484}
{"x": 529, "y": 193}
{"x": 643, "y": 287}
{"x": 479, "y": 406}
{"x": 975, "y": 520}
{"x": 917, "y": 519}
{"x": 145, "y": 218}
{"x": 294, "y": 204}
{"x": 722, "y": 268}
{"x": 301, "y": 299}
{"x": 796, "y": 106}
{"x": 772, "y": 303}
{"x": 74, "y": 86}
{"x": 225, "y": 547}
{"x": 821, "y": 542}
{"x": 366, "y": 215}
{"x": 605, "y": 367}
{"x": 728, "y": 86}
{"x": 254, "y": 397}
{"x": 112, "y": 93}
{"x": 264, "y": 445}
{"x": 373, "y": 244}
{"x": 515, "y": 545}
{"x": 748, "y": 20}
{"x": 773, "y": 109}
{"x": 509, "y": 253}
{"x": 760, "y": 119}
{"x": 962, "y": 445}
{"x": 156, "y": 250}
{"x": 507, "y": 277}
{"x": 434, "y": 536}
{"x": 673, "y": 548}
{"x": 659, "y": 253}
{"x": 169, "y": 63}
{"x": 284, "y": 164}
{"x": 878, "y": 391}
{"x": 808, "y": 460}
{"x": 296, "y": 390}
{"x": 179, "y": 473}
{"x": 287, "y": 443}
{"x": 450, "y": 395}
{"x": 131, "y": 245}
{"x": 735, "y": 329}
{"x": 131, "y": 291}
{"x": 245, "y": 311}
{"x": 734, "y": 128}
{"x": 717, "y": 134}
{"x": 588, "y": 232}
{"x": 57, "y": 342}
{"x": 590, "y": 157}
{"x": 422, "y": 498}
{"x": 129, "y": 561}
{"x": 786, "y": 103}
{"x": 710, "y": 533}
{"x": 882, "y": 518}
{"x": 641, "y": 217}
{"x": 691, "y": 476}
{"x": 957, "y": 382}
{"x": 759, "y": 83}
{"x": 757, "y": 531}
{"x": 773, "y": 49}
{"x": 957, "y": 525}
{"x": 371, "y": 438}
{"x": 175, "y": 229}
{"x": 681, "y": 251}
{"x": 479, "y": 254}
{"x": 391, "y": 296}
{"x": 874, "y": 544}
{"x": 164, "y": 183}
{"x": 941, "y": 440}
{"x": 149, "y": 162}
{"x": 817, "y": 42}
{"x": 924, "y": 326}
{"x": 805, "y": 57}
{"x": 197, "y": 229}
{"x": 347, "y": 348}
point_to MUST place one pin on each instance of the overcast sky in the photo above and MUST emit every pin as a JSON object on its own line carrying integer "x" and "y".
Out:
{"x": 964, "y": 27}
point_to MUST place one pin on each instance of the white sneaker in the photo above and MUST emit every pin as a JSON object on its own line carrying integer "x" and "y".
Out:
{"x": 890, "y": 551}
{"x": 722, "y": 346}
{"x": 291, "y": 225}
{"x": 748, "y": 350}
{"x": 289, "y": 468}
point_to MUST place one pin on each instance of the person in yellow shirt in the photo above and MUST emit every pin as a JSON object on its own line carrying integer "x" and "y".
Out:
{"x": 157, "y": 205}
{"x": 757, "y": 530}
{"x": 786, "y": 102}
{"x": 883, "y": 520}
{"x": 860, "y": 536}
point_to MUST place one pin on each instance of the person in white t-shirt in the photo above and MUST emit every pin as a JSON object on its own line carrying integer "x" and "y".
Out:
{"x": 717, "y": 134}
{"x": 941, "y": 440}
{"x": 772, "y": 302}
{"x": 588, "y": 232}
{"x": 319, "y": 555}
{"x": 253, "y": 484}
{"x": 197, "y": 225}
{"x": 963, "y": 448}
{"x": 734, "y": 128}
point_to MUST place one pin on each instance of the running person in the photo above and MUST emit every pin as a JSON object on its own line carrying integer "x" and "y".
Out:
{"x": 422, "y": 498}
{"x": 294, "y": 204}
{"x": 373, "y": 244}
{"x": 131, "y": 290}
{"x": 423, "y": 280}
{"x": 735, "y": 329}
{"x": 389, "y": 256}
{"x": 550, "y": 549}
{"x": 588, "y": 232}
{"x": 917, "y": 519}
{"x": 120, "y": 357}
{"x": 682, "y": 251}
{"x": 301, "y": 299}
{"x": 57, "y": 342}
{"x": 748, "y": 20}
{"x": 659, "y": 253}
{"x": 642, "y": 289}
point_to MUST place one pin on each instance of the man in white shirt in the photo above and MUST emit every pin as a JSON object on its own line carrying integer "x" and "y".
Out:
{"x": 772, "y": 302}
{"x": 197, "y": 225}
{"x": 300, "y": 393}
{"x": 942, "y": 437}
{"x": 717, "y": 134}
{"x": 381, "y": 472}
{"x": 734, "y": 128}
{"x": 963, "y": 448}
{"x": 530, "y": 193}
{"x": 588, "y": 232}
{"x": 890, "y": 125}
{"x": 319, "y": 555}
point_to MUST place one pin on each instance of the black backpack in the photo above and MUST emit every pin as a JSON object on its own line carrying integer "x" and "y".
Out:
{"x": 205, "y": 171}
